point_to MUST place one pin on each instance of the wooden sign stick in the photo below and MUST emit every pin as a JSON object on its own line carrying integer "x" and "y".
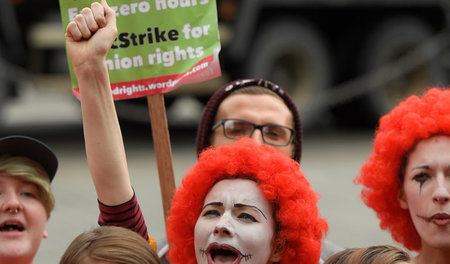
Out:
{"x": 163, "y": 151}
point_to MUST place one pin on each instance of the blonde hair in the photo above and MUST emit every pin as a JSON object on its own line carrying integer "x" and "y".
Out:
{"x": 29, "y": 171}
{"x": 110, "y": 243}
{"x": 380, "y": 254}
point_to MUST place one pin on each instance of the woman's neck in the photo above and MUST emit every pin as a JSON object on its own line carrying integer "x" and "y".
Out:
{"x": 429, "y": 255}
{"x": 7, "y": 260}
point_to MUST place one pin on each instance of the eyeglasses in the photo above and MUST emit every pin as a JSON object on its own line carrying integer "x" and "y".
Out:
{"x": 272, "y": 134}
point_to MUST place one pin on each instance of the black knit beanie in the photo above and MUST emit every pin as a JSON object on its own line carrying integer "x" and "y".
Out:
{"x": 210, "y": 110}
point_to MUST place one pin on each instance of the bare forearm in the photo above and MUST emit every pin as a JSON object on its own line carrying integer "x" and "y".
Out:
{"x": 103, "y": 138}
{"x": 88, "y": 38}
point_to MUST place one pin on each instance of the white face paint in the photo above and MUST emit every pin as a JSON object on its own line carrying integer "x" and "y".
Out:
{"x": 426, "y": 191}
{"x": 235, "y": 226}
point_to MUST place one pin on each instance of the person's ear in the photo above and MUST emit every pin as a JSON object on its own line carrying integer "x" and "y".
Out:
{"x": 401, "y": 197}
{"x": 277, "y": 253}
{"x": 45, "y": 234}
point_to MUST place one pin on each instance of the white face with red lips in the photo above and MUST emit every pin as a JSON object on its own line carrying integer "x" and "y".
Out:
{"x": 23, "y": 220}
{"x": 426, "y": 191}
{"x": 236, "y": 225}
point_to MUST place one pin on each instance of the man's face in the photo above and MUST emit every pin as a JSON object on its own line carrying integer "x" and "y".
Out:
{"x": 23, "y": 219}
{"x": 259, "y": 109}
{"x": 236, "y": 225}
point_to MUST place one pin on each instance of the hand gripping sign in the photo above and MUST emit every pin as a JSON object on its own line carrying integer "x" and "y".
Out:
{"x": 160, "y": 45}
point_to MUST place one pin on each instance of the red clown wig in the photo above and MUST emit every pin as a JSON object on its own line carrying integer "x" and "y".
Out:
{"x": 300, "y": 229}
{"x": 398, "y": 132}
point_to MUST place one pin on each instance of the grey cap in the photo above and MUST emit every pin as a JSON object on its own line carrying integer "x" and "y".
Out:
{"x": 31, "y": 148}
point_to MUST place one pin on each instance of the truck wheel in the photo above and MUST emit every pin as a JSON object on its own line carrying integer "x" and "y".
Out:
{"x": 291, "y": 54}
{"x": 390, "y": 41}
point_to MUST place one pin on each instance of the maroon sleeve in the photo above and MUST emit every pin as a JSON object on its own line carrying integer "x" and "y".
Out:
{"x": 128, "y": 215}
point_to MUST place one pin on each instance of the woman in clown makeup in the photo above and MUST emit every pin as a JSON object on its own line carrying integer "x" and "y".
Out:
{"x": 245, "y": 203}
{"x": 407, "y": 178}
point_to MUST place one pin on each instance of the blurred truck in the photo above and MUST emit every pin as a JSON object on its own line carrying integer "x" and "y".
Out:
{"x": 351, "y": 60}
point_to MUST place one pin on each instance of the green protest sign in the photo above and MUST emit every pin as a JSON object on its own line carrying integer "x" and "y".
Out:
{"x": 161, "y": 44}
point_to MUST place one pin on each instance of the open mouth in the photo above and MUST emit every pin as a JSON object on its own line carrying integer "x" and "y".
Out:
{"x": 11, "y": 226}
{"x": 223, "y": 254}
